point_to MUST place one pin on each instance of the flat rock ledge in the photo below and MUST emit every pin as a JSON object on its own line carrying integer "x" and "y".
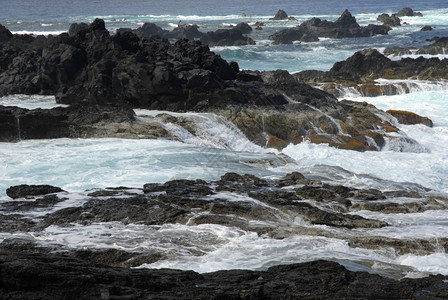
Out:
{"x": 53, "y": 276}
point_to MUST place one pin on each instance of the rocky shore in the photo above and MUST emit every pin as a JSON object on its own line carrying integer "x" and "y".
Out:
{"x": 91, "y": 70}
{"x": 107, "y": 81}
{"x": 32, "y": 270}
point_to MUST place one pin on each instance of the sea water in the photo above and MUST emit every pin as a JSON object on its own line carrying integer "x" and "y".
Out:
{"x": 119, "y": 162}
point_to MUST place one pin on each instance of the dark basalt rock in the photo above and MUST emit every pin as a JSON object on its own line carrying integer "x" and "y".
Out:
{"x": 243, "y": 27}
{"x": 426, "y": 28}
{"x": 75, "y": 121}
{"x": 29, "y": 276}
{"x": 398, "y": 51}
{"x": 408, "y": 12}
{"x": 438, "y": 47}
{"x": 280, "y": 15}
{"x": 345, "y": 27}
{"x": 370, "y": 64}
{"x": 24, "y": 190}
{"x": 388, "y": 20}
{"x": 189, "y": 32}
{"x": 76, "y": 27}
{"x": 226, "y": 37}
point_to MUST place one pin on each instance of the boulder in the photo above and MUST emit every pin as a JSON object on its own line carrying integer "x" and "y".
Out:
{"x": 76, "y": 27}
{"x": 426, "y": 28}
{"x": 25, "y": 190}
{"x": 148, "y": 29}
{"x": 243, "y": 27}
{"x": 410, "y": 118}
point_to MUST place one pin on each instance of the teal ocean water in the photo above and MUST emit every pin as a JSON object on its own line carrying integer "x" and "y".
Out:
{"x": 118, "y": 162}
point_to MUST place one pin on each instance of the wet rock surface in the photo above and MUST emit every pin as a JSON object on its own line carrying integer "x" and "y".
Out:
{"x": 37, "y": 276}
{"x": 363, "y": 68}
{"x": 262, "y": 205}
{"x": 265, "y": 206}
{"x": 96, "y": 73}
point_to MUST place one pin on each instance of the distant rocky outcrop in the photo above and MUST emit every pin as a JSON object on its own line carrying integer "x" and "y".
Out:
{"x": 365, "y": 66}
{"x": 226, "y": 37}
{"x": 388, "y": 20}
{"x": 280, "y": 15}
{"x": 408, "y": 12}
{"x": 394, "y": 19}
{"x": 345, "y": 27}
{"x": 426, "y": 28}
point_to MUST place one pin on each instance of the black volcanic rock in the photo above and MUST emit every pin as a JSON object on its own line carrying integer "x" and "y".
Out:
{"x": 76, "y": 27}
{"x": 388, "y": 20}
{"x": 21, "y": 191}
{"x": 226, "y": 37}
{"x": 74, "y": 121}
{"x": 56, "y": 276}
{"x": 345, "y": 27}
{"x": 243, "y": 27}
{"x": 370, "y": 64}
{"x": 408, "y": 12}
{"x": 280, "y": 15}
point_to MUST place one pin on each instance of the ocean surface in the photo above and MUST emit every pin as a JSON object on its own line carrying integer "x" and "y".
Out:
{"x": 221, "y": 148}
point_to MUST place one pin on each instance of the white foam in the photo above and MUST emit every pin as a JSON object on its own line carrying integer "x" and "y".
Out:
{"x": 30, "y": 101}
{"x": 210, "y": 131}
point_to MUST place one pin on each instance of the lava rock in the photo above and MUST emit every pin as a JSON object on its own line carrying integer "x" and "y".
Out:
{"x": 25, "y": 190}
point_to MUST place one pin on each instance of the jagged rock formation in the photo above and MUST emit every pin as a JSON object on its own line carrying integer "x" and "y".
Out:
{"x": 364, "y": 67}
{"x": 124, "y": 70}
{"x": 345, "y": 27}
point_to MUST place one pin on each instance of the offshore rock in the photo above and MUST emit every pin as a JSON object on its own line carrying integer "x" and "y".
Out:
{"x": 408, "y": 12}
{"x": 21, "y": 191}
{"x": 345, "y": 27}
{"x": 280, "y": 15}
{"x": 226, "y": 37}
{"x": 388, "y": 20}
{"x": 365, "y": 66}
